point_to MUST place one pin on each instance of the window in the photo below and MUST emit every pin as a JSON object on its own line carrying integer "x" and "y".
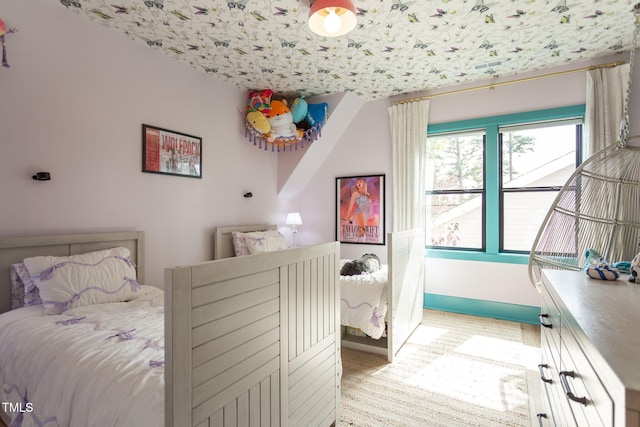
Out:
{"x": 536, "y": 161}
{"x": 456, "y": 180}
{"x": 491, "y": 181}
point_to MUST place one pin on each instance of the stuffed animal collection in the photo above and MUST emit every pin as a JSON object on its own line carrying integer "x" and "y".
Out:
{"x": 272, "y": 122}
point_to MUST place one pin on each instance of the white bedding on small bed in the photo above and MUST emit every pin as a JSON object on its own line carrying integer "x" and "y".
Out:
{"x": 100, "y": 365}
{"x": 363, "y": 301}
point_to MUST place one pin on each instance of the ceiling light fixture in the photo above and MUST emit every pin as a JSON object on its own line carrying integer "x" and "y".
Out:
{"x": 332, "y": 18}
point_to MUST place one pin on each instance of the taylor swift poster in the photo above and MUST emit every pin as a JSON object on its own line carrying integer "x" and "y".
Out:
{"x": 360, "y": 209}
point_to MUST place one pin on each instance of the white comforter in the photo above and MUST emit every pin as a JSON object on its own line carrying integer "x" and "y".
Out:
{"x": 363, "y": 302}
{"x": 98, "y": 365}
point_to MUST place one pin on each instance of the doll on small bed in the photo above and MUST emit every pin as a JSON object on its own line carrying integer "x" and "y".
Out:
{"x": 367, "y": 263}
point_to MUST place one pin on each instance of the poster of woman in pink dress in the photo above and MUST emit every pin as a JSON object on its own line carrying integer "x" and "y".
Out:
{"x": 360, "y": 206}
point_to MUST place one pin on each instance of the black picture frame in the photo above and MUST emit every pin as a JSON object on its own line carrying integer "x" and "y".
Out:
{"x": 360, "y": 209}
{"x": 169, "y": 152}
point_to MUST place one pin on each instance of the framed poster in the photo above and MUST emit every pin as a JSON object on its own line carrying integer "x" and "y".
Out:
{"x": 171, "y": 153}
{"x": 360, "y": 209}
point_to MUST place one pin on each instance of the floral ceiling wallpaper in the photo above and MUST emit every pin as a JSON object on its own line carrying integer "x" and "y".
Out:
{"x": 398, "y": 46}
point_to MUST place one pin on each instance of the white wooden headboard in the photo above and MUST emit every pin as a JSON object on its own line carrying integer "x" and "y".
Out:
{"x": 15, "y": 249}
{"x": 224, "y": 239}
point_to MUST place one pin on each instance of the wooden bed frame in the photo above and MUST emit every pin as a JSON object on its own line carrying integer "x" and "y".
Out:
{"x": 247, "y": 339}
{"x": 15, "y": 249}
{"x": 261, "y": 340}
{"x": 405, "y": 294}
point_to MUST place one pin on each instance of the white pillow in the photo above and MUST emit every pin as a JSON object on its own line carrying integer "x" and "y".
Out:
{"x": 78, "y": 280}
{"x": 240, "y": 245}
{"x": 266, "y": 243}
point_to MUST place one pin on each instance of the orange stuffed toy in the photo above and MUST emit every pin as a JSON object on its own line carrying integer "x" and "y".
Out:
{"x": 281, "y": 121}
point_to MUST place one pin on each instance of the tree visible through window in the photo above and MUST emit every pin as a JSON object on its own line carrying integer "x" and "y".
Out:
{"x": 490, "y": 182}
{"x": 457, "y": 176}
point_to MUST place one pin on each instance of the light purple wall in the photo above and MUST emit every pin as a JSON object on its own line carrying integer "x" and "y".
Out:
{"x": 73, "y": 103}
{"x": 366, "y": 149}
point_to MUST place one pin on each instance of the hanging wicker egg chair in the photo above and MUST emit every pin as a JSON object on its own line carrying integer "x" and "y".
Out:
{"x": 598, "y": 208}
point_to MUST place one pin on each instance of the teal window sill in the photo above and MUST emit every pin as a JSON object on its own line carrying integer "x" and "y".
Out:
{"x": 506, "y": 258}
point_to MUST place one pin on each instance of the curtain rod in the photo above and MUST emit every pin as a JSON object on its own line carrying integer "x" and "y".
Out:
{"x": 524, "y": 79}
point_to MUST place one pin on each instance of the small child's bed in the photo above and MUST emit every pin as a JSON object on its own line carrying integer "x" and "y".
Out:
{"x": 380, "y": 310}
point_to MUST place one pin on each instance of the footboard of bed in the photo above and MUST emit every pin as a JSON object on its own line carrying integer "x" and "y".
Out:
{"x": 254, "y": 339}
{"x": 406, "y": 293}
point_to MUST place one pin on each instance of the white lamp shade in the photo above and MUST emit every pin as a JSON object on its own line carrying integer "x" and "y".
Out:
{"x": 332, "y": 18}
{"x": 293, "y": 218}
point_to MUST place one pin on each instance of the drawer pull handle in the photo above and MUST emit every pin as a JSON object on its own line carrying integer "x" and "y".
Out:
{"x": 542, "y": 377}
{"x": 540, "y": 417}
{"x": 544, "y": 316}
{"x": 567, "y": 390}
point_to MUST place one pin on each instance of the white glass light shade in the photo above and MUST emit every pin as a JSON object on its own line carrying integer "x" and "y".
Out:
{"x": 293, "y": 218}
{"x": 332, "y": 18}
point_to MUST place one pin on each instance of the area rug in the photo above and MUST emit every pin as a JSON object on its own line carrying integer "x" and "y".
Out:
{"x": 455, "y": 370}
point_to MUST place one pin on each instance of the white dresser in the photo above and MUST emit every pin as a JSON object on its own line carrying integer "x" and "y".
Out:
{"x": 590, "y": 345}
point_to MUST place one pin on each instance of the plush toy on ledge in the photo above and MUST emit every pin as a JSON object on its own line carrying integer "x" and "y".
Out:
{"x": 273, "y": 123}
{"x": 281, "y": 121}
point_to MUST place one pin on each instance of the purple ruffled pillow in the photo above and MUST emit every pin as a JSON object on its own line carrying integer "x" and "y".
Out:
{"x": 78, "y": 280}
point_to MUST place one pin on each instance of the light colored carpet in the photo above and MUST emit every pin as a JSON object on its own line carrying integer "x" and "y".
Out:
{"x": 455, "y": 370}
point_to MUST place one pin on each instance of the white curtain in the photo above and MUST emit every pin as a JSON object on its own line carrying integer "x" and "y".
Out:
{"x": 606, "y": 92}
{"x": 409, "y": 135}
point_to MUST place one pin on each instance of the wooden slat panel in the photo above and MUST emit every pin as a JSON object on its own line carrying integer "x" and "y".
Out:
{"x": 304, "y": 364}
{"x": 230, "y": 414}
{"x": 217, "y": 419}
{"x": 246, "y": 368}
{"x": 320, "y": 297}
{"x": 302, "y": 359}
{"x": 228, "y": 341}
{"x": 217, "y": 401}
{"x": 406, "y": 286}
{"x": 219, "y": 309}
{"x": 292, "y": 311}
{"x": 205, "y": 423}
{"x": 225, "y": 289}
{"x": 299, "y": 334}
{"x": 213, "y": 330}
{"x": 325, "y": 409}
{"x": 311, "y": 408}
{"x": 254, "y": 405}
{"x": 313, "y": 299}
{"x": 307, "y": 386}
{"x": 249, "y": 386}
{"x": 275, "y": 404}
{"x": 224, "y": 269}
{"x": 326, "y": 297}
{"x": 243, "y": 410}
{"x": 216, "y": 365}
{"x": 280, "y": 403}
{"x": 178, "y": 387}
{"x": 265, "y": 404}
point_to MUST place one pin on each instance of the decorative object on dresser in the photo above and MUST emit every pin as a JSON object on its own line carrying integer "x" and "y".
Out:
{"x": 590, "y": 346}
{"x": 598, "y": 206}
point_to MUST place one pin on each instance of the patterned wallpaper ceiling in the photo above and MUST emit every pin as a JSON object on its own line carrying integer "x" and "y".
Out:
{"x": 398, "y": 46}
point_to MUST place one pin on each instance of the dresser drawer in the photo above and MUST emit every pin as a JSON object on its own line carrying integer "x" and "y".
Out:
{"x": 550, "y": 322}
{"x": 589, "y": 401}
{"x": 557, "y": 408}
